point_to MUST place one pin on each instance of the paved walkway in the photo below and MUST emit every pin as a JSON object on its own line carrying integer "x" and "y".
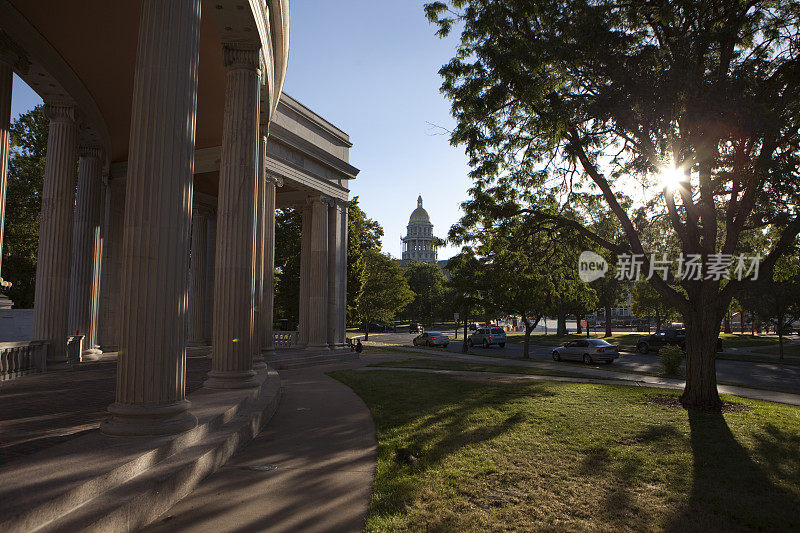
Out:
{"x": 311, "y": 470}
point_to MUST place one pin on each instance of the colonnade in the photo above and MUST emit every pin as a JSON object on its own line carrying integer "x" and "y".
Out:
{"x": 174, "y": 272}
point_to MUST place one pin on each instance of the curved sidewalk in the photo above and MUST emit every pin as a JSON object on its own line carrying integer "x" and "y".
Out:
{"x": 311, "y": 469}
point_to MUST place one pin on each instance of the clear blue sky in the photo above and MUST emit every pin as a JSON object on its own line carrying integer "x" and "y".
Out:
{"x": 371, "y": 68}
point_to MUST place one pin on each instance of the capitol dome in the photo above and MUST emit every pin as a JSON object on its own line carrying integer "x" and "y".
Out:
{"x": 418, "y": 244}
{"x": 419, "y": 214}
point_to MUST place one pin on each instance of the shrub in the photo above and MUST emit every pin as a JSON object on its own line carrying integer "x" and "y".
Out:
{"x": 671, "y": 358}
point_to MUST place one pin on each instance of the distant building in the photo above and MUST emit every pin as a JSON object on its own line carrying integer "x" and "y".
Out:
{"x": 418, "y": 244}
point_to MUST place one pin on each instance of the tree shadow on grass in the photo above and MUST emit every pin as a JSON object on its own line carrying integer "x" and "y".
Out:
{"x": 730, "y": 491}
{"x": 442, "y": 429}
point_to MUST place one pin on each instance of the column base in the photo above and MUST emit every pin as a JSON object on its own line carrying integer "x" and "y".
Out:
{"x": 258, "y": 363}
{"x": 148, "y": 421}
{"x": 231, "y": 380}
{"x": 92, "y": 354}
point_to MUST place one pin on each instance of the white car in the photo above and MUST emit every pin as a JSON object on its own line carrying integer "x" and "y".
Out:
{"x": 587, "y": 350}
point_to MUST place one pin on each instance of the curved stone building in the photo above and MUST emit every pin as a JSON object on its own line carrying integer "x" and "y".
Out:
{"x": 418, "y": 244}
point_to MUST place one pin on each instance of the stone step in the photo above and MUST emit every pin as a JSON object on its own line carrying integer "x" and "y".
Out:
{"x": 45, "y": 488}
{"x": 144, "y": 498}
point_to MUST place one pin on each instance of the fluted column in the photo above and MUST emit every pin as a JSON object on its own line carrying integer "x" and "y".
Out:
{"x": 85, "y": 271}
{"x": 303, "y": 326}
{"x": 198, "y": 274}
{"x": 268, "y": 288}
{"x": 151, "y": 370}
{"x": 318, "y": 277}
{"x": 111, "y": 272}
{"x": 258, "y": 250}
{"x": 341, "y": 323}
{"x": 7, "y": 60}
{"x": 211, "y": 245}
{"x": 234, "y": 288}
{"x": 334, "y": 270}
{"x": 55, "y": 235}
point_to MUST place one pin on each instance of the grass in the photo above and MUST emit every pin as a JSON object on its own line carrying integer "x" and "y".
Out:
{"x": 443, "y": 364}
{"x": 763, "y": 359}
{"x": 546, "y": 455}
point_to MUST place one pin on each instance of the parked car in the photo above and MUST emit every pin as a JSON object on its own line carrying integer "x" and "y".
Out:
{"x": 487, "y": 336}
{"x": 415, "y": 328}
{"x": 473, "y": 326}
{"x": 666, "y": 337}
{"x": 432, "y": 338}
{"x": 377, "y": 327}
{"x": 587, "y": 350}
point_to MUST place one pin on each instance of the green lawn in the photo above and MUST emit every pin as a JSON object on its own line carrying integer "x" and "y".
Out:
{"x": 443, "y": 364}
{"x": 546, "y": 455}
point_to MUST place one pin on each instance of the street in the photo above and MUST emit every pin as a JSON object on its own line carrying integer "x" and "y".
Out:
{"x": 761, "y": 375}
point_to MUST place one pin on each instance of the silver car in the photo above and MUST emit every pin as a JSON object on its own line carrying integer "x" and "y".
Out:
{"x": 432, "y": 338}
{"x": 587, "y": 350}
{"x": 487, "y": 336}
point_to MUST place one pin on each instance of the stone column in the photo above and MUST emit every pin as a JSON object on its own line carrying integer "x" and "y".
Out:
{"x": 211, "y": 255}
{"x": 305, "y": 271}
{"x": 86, "y": 252}
{"x": 268, "y": 289}
{"x": 318, "y": 276}
{"x": 258, "y": 250}
{"x": 111, "y": 272}
{"x": 234, "y": 289}
{"x": 7, "y": 60}
{"x": 55, "y": 235}
{"x": 151, "y": 370}
{"x": 341, "y": 324}
{"x": 198, "y": 274}
{"x": 334, "y": 270}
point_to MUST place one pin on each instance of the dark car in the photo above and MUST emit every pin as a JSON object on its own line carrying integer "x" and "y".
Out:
{"x": 415, "y": 328}
{"x": 432, "y": 338}
{"x": 666, "y": 337}
{"x": 377, "y": 327}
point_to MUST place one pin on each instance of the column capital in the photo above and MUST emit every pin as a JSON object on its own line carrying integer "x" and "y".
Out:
{"x": 95, "y": 152}
{"x": 242, "y": 56}
{"x": 58, "y": 112}
{"x": 327, "y": 201}
{"x": 274, "y": 178}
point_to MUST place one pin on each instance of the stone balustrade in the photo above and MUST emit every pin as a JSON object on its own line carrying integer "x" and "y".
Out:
{"x": 21, "y": 358}
{"x": 286, "y": 339}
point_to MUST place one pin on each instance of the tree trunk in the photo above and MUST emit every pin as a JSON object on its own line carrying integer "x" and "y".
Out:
{"x": 658, "y": 320}
{"x": 702, "y": 331}
{"x": 607, "y": 311}
{"x": 366, "y": 331}
{"x": 578, "y": 328}
{"x": 781, "y": 318}
{"x": 741, "y": 319}
{"x": 727, "y": 322}
{"x": 561, "y": 327}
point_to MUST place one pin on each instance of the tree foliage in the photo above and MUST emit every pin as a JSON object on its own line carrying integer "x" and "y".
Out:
{"x": 384, "y": 290}
{"x": 23, "y": 205}
{"x": 427, "y": 282}
{"x": 591, "y": 101}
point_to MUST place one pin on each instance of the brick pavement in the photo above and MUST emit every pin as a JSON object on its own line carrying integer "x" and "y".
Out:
{"x": 44, "y": 410}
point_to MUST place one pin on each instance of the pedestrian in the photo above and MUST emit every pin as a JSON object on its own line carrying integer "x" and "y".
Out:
{"x": 359, "y": 346}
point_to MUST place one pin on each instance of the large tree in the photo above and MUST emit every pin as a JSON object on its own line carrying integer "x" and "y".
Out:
{"x": 692, "y": 104}
{"x": 427, "y": 282}
{"x": 384, "y": 290}
{"x": 23, "y": 205}
{"x": 363, "y": 235}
